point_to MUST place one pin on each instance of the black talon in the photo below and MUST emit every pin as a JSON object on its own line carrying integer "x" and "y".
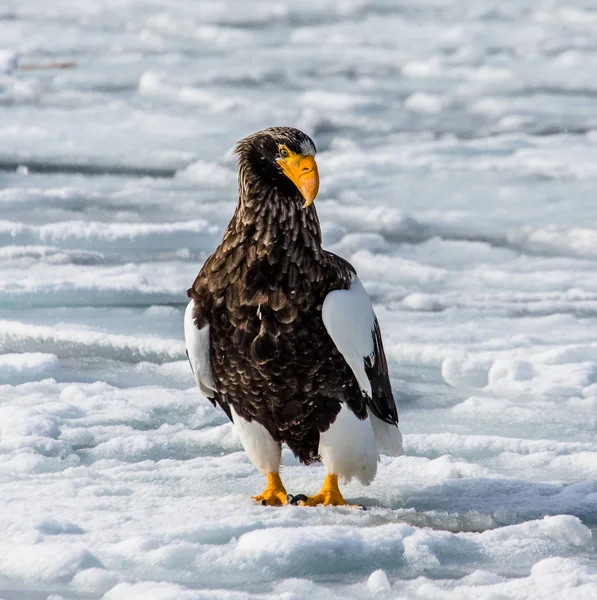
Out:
{"x": 362, "y": 507}
{"x": 263, "y": 503}
{"x": 296, "y": 499}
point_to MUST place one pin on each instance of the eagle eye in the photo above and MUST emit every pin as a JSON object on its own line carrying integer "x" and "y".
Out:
{"x": 284, "y": 152}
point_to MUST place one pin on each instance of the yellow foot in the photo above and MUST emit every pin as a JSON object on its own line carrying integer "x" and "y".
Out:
{"x": 329, "y": 494}
{"x": 274, "y": 493}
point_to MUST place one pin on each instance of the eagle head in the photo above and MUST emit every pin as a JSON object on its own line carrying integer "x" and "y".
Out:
{"x": 282, "y": 157}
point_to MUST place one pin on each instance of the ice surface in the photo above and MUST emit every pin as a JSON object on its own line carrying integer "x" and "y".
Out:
{"x": 457, "y": 146}
{"x": 8, "y": 61}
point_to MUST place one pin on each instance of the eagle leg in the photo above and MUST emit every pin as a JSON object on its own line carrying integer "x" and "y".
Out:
{"x": 329, "y": 494}
{"x": 274, "y": 493}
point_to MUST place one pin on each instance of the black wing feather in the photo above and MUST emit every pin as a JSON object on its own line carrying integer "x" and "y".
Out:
{"x": 382, "y": 402}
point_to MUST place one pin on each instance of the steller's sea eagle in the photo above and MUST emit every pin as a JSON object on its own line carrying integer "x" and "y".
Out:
{"x": 281, "y": 334}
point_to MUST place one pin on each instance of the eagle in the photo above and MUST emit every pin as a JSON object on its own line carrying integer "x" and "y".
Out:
{"x": 281, "y": 334}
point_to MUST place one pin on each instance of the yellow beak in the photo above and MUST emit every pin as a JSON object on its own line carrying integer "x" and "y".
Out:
{"x": 302, "y": 171}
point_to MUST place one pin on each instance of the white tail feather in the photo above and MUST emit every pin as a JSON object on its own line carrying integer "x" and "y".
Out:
{"x": 387, "y": 437}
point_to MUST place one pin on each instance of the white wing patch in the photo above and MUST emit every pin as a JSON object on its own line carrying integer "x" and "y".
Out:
{"x": 197, "y": 342}
{"x": 349, "y": 319}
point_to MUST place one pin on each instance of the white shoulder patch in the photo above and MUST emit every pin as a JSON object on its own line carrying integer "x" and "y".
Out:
{"x": 349, "y": 319}
{"x": 197, "y": 343}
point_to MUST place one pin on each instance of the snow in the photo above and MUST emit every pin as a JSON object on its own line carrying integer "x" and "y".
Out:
{"x": 424, "y": 103}
{"x": 8, "y": 61}
{"x": 457, "y": 146}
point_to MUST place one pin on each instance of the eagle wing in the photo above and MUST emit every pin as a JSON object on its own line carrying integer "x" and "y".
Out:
{"x": 197, "y": 343}
{"x": 351, "y": 323}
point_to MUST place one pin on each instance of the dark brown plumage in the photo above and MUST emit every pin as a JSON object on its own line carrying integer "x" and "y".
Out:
{"x": 261, "y": 292}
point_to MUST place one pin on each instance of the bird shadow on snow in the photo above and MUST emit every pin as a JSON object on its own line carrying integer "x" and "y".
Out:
{"x": 473, "y": 505}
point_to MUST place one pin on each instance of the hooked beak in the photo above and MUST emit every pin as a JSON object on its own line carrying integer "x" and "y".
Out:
{"x": 302, "y": 171}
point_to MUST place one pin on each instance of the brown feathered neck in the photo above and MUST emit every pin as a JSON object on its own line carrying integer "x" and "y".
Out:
{"x": 269, "y": 217}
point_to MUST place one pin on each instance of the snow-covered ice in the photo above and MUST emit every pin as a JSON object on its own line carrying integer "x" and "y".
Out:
{"x": 458, "y": 160}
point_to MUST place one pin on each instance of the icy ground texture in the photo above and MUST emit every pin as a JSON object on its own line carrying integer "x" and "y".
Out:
{"x": 458, "y": 155}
